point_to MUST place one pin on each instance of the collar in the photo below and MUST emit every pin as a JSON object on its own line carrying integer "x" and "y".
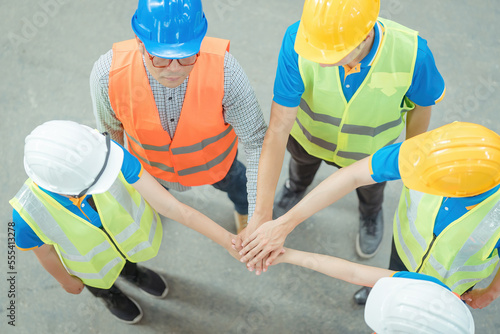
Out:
{"x": 377, "y": 41}
{"x": 63, "y": 200}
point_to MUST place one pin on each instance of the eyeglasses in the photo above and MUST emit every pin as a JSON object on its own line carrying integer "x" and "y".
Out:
{"x": 108, "y": 146}
{"x": 165, "y": 62}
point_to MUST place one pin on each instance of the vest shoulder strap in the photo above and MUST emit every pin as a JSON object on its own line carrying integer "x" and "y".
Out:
{"x": 127, "y": 45}
{"x": 215, "y": 45}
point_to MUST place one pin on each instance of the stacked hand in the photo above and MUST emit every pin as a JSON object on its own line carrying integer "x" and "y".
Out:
{"x": 259, "y": 246}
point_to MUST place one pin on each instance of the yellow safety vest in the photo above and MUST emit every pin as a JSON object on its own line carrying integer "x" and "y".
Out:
{"x": 134, "y": 231}
{"x": 460, "y": 256}
{"x": 330, "y": 128}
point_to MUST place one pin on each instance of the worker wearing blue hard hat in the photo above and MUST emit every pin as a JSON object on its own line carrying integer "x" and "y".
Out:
{"x": 182, "y": 103}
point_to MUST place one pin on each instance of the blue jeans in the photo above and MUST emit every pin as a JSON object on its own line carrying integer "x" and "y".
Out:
{"x": 235, "y": 185}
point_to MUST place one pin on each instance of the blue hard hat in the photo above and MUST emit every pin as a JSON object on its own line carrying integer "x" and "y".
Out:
{"x": 170, "y": 28}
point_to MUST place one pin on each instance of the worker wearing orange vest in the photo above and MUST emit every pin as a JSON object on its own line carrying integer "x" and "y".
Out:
{"x": 182, "y": 102}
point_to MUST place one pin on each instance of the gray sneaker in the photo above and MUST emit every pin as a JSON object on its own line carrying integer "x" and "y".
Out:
{"x": 371, "y": 230}
{"x": 286, "y": 200}
{"x": 361, "y": 295}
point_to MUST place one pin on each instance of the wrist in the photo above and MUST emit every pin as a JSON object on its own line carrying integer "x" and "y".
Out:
{"x": 285, "y": 223}
{"x": 493, "y": 291}
{"x": 227, "y": 240}
{"x": 259, "y": 218}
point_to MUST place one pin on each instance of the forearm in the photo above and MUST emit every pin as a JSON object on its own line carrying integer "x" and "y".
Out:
{"x": 271, "y": 158}
{"x": 48, "y": 258}
{"x": 167, "y": 205}
{"x": 417, "y": 120}
{"x": 200, "y": 223}
{"x": 334, "y": 267}
{"x": 329, "y": 191}
{"x": 494, "y": 287}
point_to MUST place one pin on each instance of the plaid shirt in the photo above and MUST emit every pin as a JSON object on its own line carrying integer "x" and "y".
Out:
{"x": 240, "y": 106}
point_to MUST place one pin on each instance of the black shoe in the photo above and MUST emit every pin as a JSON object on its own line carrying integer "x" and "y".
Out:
{"x": 149, "y": 282}
{"x": 371, "y": 230}
{"x": 286, "y": 200}
{"x": 361, "y": 295}
{"x": 120, "y": 305}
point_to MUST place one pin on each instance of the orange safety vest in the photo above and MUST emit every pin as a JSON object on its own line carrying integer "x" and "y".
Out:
{"x": 204, "y": 145}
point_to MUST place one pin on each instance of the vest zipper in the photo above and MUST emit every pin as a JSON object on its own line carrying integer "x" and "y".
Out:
{"x": 113, "y": 242}
{"x": 93, "y": 206}
{"x": 427, "y": 253}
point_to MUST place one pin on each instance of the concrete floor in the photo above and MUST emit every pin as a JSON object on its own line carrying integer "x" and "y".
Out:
{"x": 48, "y": 48}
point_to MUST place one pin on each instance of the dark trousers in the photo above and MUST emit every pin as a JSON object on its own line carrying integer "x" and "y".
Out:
{"x": 235, "y": 185}
{"x": 395, "y": 263}
{"x": 303, "y": 168}
{"x": 129, "y": 270}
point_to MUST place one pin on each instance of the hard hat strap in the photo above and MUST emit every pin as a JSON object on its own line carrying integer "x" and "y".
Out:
{"x": 108, "y": 146}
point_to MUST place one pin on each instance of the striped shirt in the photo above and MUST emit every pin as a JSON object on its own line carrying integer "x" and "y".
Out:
{"x": 240, "y": 106}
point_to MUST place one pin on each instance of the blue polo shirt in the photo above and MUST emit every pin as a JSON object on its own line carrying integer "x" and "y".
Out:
{"x": 427, "y": 87}
{"x": 27, "y": 239}
{"x": 385, "y": 167}
{"x": 419, "y": 276}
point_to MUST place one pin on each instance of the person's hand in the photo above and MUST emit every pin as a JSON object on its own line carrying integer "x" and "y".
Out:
{"x": 478, "y": 298}
{"x": 238, "y": 241}
{"x": 254, "y": 222}
{"x": 231, "y": 249}
{"x": 74, "y": 285}
{"x": 266, "y": 243}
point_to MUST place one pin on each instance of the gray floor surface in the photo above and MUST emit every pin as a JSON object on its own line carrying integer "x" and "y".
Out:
{"x": 48, "y": 48}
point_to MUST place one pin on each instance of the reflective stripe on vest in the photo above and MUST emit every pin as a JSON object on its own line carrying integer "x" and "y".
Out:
{"x": 85, "y": 250}
{"x": 204, "y": 146}
{"x": 330, "y": 128}
{"x": 185, "y": 150}
{"x": 462, "y": 255}
{"x": 120, "y": 193}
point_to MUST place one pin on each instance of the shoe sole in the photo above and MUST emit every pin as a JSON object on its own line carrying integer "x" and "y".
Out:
{"x": 363, "y": 255}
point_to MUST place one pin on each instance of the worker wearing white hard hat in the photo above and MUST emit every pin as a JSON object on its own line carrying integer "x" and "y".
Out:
{"x": 446, "y": 224}
{"x": 88, "y": 212}
{"x": 415, "y": 306}
{"x": 400, "y": 302}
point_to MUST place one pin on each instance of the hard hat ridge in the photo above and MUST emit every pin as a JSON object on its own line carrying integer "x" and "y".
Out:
{"x": 456, "y": 160}
{"x": 330, "y": 29}
{"x": 407, "y": 305}
{"x": 170, "y": 28}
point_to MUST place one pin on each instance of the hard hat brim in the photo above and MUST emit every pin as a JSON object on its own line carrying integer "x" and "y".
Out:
{"x": 111, "y": 171}
{"x": 171, "y": 50}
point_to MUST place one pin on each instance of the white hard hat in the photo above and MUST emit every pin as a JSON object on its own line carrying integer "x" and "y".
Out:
{"x": 405, "y": 305}
{"x": 71, "y": 159}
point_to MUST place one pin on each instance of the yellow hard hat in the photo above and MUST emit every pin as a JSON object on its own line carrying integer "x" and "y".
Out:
{"x": 330, "y": 29}
{"x": 456, "y": 160}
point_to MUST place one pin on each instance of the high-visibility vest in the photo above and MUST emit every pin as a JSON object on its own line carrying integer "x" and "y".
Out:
{"x": 330, "y": 128}
{"x": 204, "y": 146}
{"x": 460, "y": 256}
{"x": 134, "y": 231}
